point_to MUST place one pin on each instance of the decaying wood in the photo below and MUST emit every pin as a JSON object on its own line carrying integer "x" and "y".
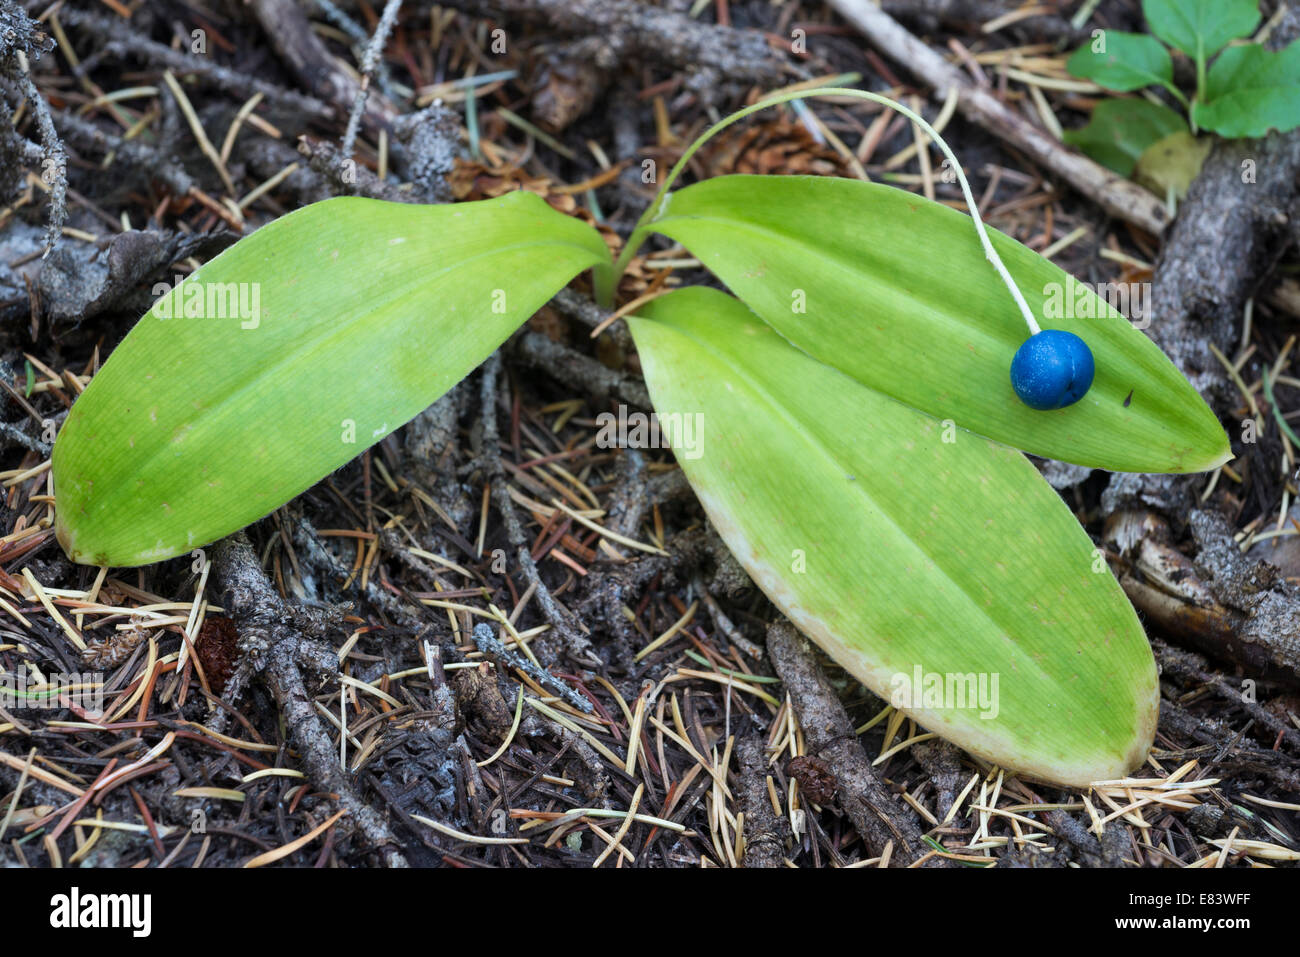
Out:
{"x": 272, "y": 644}
{"x": 632, "y": 29}
{"x": 568, "y": 634}
{"x": 1225, "y": 605}
{"x": 305, "y": 54}
{"x": 369, "y": 63}
{"x": 880, "y": 818}
{"x": 765, "y": 832}
{"x": 22, "y": 42}
{"x": 121, "y": 39}
{"x": 1269, "y": 605}
{"x": 568, "y": 365}
{"x": 1188, "y": 667}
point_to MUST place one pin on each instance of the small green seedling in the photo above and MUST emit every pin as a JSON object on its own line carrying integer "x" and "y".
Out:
{"x": 859, "y": 421}
{"x": 1246, "y": 91}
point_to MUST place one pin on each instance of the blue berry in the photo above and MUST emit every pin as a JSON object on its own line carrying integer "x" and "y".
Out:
{"x": 1052, "y": 369}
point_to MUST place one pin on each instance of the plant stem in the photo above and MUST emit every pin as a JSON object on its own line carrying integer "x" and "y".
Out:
{"x": 606, "y": 278}
{"x": 1180, "y": 97}
{"x": 1200, "y": 70}
{"x": 1200, "y": 83}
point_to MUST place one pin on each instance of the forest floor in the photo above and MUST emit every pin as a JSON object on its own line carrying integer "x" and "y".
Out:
{"x": 550, "y": 738}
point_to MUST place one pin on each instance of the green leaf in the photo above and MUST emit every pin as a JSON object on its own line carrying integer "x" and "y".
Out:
{"x": 1251, "y": 90}
{"x": 358, "y": 315}
{"x": 896, "y": 549}
{"x": 895, "y": 291}
{"x": 1171, "y": 164}
{"x": 1121, "y": 130}
{"x": 1201, "y": 28}
{"x": 1128, "y": 61}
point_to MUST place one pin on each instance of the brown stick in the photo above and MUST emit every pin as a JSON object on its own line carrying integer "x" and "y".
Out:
{"x": 305, "y": 54}
{"x": 1118, "y": 196}
{"x": 765, "y": 833}
{"x": 865, "y": 798}
{"x": 267, "y": 635}
{"x": 631, "y": 28}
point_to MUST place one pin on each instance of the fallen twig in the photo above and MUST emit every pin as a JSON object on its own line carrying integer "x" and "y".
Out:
{"x": 765, "y": 832}
{"x": 867, "y": 800}
{"x": 268, "y": 637}
{"x": 1120, "y": 197}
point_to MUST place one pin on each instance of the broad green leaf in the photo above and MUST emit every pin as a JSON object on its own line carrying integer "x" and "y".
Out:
{"x": 1173, "y": 163}
{"x": 1251, "y": 90}
{"x": 1127, "y": 61}
{"x": 288, "y": 354}
{"x": 900, "y": 545}
{"x": 1201, "y": 28}
{"x": 1121, "y": 130}
{"x": 895, "y": 291}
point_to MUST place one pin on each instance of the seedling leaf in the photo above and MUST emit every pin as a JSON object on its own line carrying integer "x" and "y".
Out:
{"x": 1173, "y": 163}
{"x": 1251, "y": 90}
{"x": 1122, "y": 129}
{"x": 1201, "y": 28}
{"x": 1130, "y": 61}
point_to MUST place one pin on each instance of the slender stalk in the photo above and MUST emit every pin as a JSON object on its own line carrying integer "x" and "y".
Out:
{"x": 1200, "y": 84}
{"x": 607, "y": 277}
{"x": 1200, "y": 69}
{"x": 1179, "y": 96}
